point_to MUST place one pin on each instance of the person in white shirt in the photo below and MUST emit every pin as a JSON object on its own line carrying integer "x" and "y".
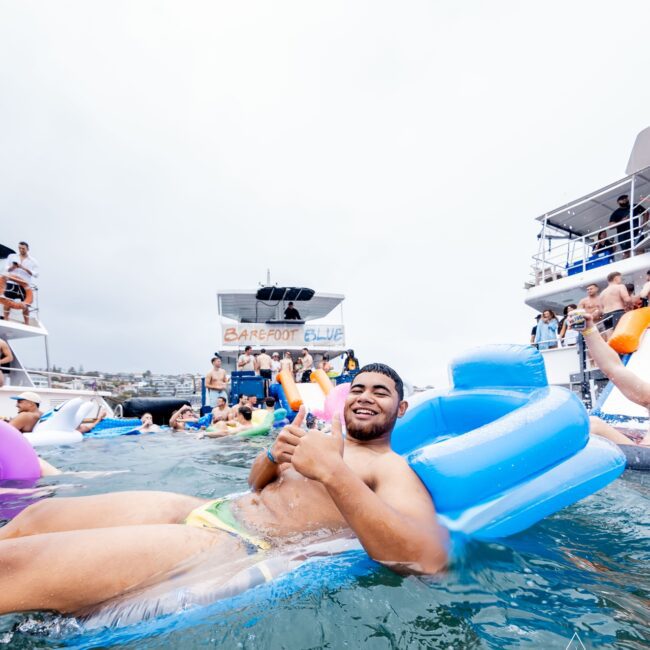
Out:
{"x": 246, "y": 360}
{"x": 276, "y": 365}
{"x": 21, "y": 269}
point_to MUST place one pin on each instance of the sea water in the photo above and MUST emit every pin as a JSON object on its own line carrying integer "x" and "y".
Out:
{"x": 582, "y": 574}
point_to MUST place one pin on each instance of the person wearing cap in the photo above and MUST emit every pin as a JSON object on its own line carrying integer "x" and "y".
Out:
{"x": 276, "y": 365}
{"x": 350, "y": 363}
{"x": 29, "y": 413}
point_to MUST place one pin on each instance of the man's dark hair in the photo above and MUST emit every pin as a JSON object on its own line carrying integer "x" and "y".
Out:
{"x": 23, "y": 243}
{"x": 247, "y": 348}
{"x": 290, "y": 304}
{"x": 612, "y": 275}
{"x": 623, "y": 197}
{"x": 262, "y": 351}
{"x": 269, "y": 401}
{"x": 246, "y": 413}
{"x": 387, "y": 371}
{"x": 251, "y": 395}
{"x": 305, "y": 349}
{"x": 223, "y": 398}
{"x": 214, "y": 359}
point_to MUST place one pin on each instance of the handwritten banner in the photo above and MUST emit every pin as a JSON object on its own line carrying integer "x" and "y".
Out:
{"x": 319, "y": 336}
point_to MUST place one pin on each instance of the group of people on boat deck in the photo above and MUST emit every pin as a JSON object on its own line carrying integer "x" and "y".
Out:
{"x": 268, "y": 366}
{"x": 606, "y": 307}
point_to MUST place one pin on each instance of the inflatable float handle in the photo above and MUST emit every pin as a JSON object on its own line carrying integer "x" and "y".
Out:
{"x": 320, "y": 377}
{"x": 290, "y": 389}
{"x": 630, "y": 329}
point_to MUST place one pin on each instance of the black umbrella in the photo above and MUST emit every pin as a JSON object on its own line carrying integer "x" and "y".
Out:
{"x": 5, "y": 251}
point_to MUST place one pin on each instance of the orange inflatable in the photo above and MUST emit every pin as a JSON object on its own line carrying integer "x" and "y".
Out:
{"x": 290, "y": 389}
{"x": 320, "y": 377}
{"x": 629, "y": 330}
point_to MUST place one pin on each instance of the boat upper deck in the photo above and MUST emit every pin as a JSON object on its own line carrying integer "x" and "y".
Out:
{"x": 578, "y": 245}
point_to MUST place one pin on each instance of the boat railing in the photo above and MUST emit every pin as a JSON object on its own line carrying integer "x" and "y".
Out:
{"x": 564, "y": 255}
{"x": 25, "y": 377}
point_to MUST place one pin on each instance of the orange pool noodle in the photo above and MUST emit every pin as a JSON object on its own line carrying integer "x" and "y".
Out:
{"x": 629, "y": 330}
{"x": 320, "y": 377}
{"x": 290, "y": 389}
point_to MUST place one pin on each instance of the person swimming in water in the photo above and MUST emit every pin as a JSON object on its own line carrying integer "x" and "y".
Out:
{"x": 307, "y": 482}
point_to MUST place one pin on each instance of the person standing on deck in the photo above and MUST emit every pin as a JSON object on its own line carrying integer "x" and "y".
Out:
{"x": 22, "y": 269}
{"x": 215, "y": 383}
{"x": 264, "y": 365}
{"x": 307, "y": 365}
{"x": 591, "y": 302}
{"x": 286, "y": 365}
{"x": 276, "y": 365}
{"x": 620, "y": 219}
{"x": 614, "y": 299}
{"x": 350, "y": 363}
{"x": 246, "y": 361}
{"x": 546, "y": 335}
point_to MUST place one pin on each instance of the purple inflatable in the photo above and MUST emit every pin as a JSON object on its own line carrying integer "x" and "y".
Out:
{"x": 18, "y": 460}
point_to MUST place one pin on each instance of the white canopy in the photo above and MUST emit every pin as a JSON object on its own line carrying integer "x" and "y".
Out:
{"x": 591, "y": 212}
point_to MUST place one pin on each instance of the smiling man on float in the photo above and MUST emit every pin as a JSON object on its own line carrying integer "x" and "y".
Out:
{"x": 306, "y": 483}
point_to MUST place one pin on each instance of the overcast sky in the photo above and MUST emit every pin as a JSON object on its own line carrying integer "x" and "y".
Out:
{"x": 153, "y": 153}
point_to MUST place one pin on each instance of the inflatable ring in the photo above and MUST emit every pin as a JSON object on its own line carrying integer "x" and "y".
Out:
{"x": 18, "y": 460}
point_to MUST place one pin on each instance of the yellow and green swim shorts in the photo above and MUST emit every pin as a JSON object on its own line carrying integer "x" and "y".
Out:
{"x": 218, "y": 514}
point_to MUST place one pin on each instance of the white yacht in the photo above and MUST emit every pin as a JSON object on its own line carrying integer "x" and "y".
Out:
{"x": 257, "y": 318}
{"x": 577, "y": 247}
{"x": 19, "y": 378}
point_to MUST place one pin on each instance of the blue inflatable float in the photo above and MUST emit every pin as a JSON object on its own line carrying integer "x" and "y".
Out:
{"x": 502, "y": 449}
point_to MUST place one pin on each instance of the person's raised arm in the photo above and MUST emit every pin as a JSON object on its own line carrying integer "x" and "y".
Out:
{"x": 396, "y": 523}
{"x": 627, "y": 299}
{"x": 265, "y": 470}
{"x": 632, "y": 386}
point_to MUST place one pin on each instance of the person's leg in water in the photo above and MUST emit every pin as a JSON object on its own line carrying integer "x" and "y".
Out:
{"x": 101, "y": 511}
{"x": 73, "y": 570}
{"x": 601, "y": 428}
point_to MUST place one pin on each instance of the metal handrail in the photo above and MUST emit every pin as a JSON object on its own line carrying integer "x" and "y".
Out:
{"x": 564, "y": 254}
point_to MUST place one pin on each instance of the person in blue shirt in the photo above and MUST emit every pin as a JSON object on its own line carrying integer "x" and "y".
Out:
{"x": 546, "y": 335}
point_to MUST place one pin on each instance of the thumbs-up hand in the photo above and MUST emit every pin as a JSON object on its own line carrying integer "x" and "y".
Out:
{"x": 318, "y": 455}
{"x": 285, "y": 444}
